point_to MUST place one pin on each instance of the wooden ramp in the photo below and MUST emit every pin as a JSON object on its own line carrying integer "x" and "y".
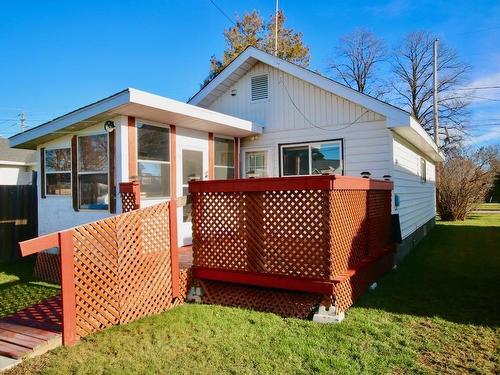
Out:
{"x": 32, "y": 331}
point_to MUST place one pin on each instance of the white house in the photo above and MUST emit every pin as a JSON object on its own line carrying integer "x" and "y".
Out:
{"x": 261, "y": 116}
{"x": 16, "y": 166}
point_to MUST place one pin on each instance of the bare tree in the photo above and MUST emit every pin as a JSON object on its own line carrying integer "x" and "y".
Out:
{"x": 412, "y": 66}
{"x": 465, "y": 179}
{"x": 358, "y": 56}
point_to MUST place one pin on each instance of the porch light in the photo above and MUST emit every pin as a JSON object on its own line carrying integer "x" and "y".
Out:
{"x": 386, "y": 177}
{"x": 109, "y": 126}
{"x": 365, "y": 174}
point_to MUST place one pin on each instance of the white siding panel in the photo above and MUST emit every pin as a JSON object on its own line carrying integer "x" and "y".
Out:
{"x": 417, "y": 199}
{"x": 294, "y": 112}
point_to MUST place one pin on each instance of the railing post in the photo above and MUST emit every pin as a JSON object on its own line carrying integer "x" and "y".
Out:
{"x": 68, "y": 287}
{"x": 174, "y": 250}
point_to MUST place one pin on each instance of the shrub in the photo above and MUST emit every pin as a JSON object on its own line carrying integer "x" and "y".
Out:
{"x": 464, "y": 180}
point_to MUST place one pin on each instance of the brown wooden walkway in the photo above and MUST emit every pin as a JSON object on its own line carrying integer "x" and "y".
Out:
{"x": 32, "y": 331}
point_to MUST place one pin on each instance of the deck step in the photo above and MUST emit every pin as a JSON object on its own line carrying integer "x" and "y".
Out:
{"x": 18, "y": 341}
{"x": 12, "y": 350}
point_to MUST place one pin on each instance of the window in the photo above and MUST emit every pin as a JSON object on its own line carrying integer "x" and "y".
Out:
{"x": 93, "y": 185}
{"x": 224, "y": 158}
{"x": 256, "y": 163}
{"x": 423, "y": 170}
{"x": 260, "y": 87}
{"x": 153, "y": 160}
{"x": 311, "y": 158}
{"x": 58, "y": 171}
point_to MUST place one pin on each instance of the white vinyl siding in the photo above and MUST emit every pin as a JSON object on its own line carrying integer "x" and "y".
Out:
{"x": 416, "y": 198}
{"x": 319, "y": 106}
{"x": 367, "y": 143}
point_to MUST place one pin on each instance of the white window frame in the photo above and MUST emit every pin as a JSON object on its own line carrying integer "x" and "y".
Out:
{"x": 54, "y": 172}
{"x": 234, "y": 161}
{"x": 310, "y": 145}
{"x": 78, "y": 173}
{"x": 267, "y": 162}
{"x": 268, "y": 88}
{"x": 158, "y": 125}
{"x": 423, "y": 176}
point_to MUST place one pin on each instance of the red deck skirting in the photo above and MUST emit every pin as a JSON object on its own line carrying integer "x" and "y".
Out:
{"x": 265, "y": 280}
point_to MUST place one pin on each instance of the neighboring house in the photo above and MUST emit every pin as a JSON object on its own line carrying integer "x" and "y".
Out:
{"x": 16, "y": 166}
{"x": 261, "y": 116}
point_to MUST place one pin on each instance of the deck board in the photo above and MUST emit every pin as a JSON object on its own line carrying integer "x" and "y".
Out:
{"x": 32, "y": 330}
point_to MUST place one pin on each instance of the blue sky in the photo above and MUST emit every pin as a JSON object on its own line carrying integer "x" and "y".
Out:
{"x": 58, "y": 55}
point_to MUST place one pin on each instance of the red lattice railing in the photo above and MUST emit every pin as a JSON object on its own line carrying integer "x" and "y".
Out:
{"x": 303, "y": 234}
{"x": 115, "y": 270}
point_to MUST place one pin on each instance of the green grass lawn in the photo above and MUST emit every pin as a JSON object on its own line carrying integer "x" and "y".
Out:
{"x": 489, "y": 207}
{"x": 18, "y": 289}
{"x": 437, "y": 313}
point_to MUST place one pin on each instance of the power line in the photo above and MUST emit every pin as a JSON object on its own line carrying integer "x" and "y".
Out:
{"x": 313, "y": 124}
{"x": 222, "y": 12}
{"x": 479, "y": 87}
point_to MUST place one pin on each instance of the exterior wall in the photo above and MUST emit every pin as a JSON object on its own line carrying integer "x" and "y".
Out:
{"x": 56, "y": 213}
{"x": 366, "y": 143}
{"x": 417, "y": 199}
{"x": 15, "y": 174}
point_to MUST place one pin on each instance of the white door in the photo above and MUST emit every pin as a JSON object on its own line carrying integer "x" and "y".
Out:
{"x": 193, "y": 166}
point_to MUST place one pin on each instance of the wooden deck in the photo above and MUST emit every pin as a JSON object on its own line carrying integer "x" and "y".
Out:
{"x": 185, "y": 257}
{"x": 32, "y": 331}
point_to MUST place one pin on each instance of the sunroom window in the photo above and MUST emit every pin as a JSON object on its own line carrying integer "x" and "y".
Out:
{"x": 93, "y": 184}
{"x": 153, "y": 157}
{"x": 58, "y": 171}
{"x": 224, "y": 158}
{"x": 311, "y": 158}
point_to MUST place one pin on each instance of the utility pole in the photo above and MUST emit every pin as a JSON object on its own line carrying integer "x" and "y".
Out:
{"x": 23, "y": 119}
{"x": 276, "y": 31}
{"x": 436, "y": 114}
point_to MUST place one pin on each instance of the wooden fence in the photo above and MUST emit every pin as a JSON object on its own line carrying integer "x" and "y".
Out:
{"x": 114, "y": 270}
{"x": 305, "y": 234}
{"x": 18, "y": 218}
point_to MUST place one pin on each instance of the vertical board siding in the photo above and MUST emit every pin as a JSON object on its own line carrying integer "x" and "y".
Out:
{"x": 367, "y": 143}
{"x": 278, "y": 112}
{"x": 417, "y": 199}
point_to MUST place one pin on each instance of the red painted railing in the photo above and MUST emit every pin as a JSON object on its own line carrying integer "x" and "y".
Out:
{"x": 299, "y": 233}
{"x": 114, "y": 270}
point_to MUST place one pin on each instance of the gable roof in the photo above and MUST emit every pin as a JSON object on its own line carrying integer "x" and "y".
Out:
{"x": 251, "y": 55}
{"x": 13, "y": 156}
{"x": 397, "y": 119}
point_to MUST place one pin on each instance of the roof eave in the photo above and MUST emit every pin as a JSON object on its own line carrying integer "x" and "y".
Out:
{"x": 25, "y": 140}
{"x": 414, "y": 133}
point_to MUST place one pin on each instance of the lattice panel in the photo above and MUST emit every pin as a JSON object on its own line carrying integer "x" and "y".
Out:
{"x": 128, "y": 202}
{"x": 274, "y": 232}
{"x": 48, "y": 268}
{"x": 145, "y": 269}
{"x": 185, "y": 282}
{"x": 346, "y": 292}
{"x": 218, "y": 231}
{"x": 296, "y": 233}
{"x": 379, "y": 221}
{"x": 348, "y": 228}
{"x": 280, "y": 302}
{"x": 123, "y": 268}
{"x": 96, "y": 276}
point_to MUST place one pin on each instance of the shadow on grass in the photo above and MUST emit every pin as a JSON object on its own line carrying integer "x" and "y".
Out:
{"x": 19, "y": 290}
{"x": 453, "y": 274}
